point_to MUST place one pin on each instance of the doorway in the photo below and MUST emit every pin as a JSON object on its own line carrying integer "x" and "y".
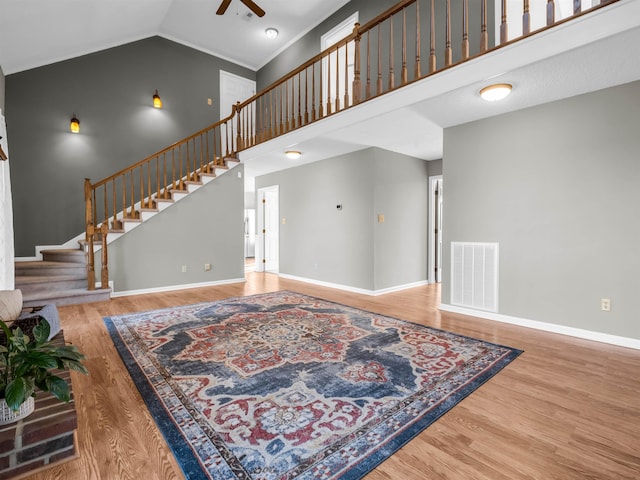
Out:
{"x": 268, "y": 244}
{"x": 233, "y": 89}
{"x": 335, "y": 80}
{"x": 436, "y": 200}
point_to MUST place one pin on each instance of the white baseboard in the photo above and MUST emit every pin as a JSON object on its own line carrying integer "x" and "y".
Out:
{"x": 347, "y": 288}
{"x": 171, "y": 288}
{"x": 547, "y": 327}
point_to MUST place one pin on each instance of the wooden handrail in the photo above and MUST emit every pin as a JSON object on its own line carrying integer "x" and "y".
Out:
{"x": 164, "y": 150}
{"x": 332, "y": 96}
{"x": 324, "y": 85}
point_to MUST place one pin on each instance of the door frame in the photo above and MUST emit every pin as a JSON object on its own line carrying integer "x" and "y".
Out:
{"x": 431, "y": 262}
{"x": 260, "y": 220}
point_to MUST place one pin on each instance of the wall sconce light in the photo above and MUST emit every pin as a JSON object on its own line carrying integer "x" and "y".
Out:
{"x": 157, "y": 101}
{"x": 292, "y": 154}
{"x": 74, "y": 125}
{"x": 496, "y": 92}
{"x": 271, "y": 33}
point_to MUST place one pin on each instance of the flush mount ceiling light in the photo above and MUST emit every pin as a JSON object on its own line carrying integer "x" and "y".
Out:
{"x": 74, "y": 125}
{"x": 157, "y": 101}
{"x": 293, "y": 154}
{"x": 496, "y": 92}
{"x": 271, "y": 33}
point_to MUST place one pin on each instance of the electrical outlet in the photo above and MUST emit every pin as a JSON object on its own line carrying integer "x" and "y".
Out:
{"x": 184, "y": 269}
{"x": 605, "y": 304}
{"x": 207, "y": 267}
{"x": 209, "y": 101}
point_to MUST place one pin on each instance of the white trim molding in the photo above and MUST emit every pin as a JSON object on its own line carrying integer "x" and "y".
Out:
{"x": 547, "y": 327}
{"x": 347, "y": 288}
{"x": 172, "y": 288}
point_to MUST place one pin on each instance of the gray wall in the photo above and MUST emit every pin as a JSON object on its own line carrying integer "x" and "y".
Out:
{"x": 110, "y": 91}
{"x": 558, "y": 186}
{"x": 309, "y": 45}
{"x": 1, "y": 90}
{"x": 435, "y": 167}
{"x": 205, "y": 227}
{"x": 348, "y": 246}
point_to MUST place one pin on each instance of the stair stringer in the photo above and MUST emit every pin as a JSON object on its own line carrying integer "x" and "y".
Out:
{"x": 199, "y": 242}
{"x": 145, "y": 215}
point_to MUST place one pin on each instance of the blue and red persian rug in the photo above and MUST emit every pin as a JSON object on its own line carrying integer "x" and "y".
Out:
{"x": 286, "y": 386}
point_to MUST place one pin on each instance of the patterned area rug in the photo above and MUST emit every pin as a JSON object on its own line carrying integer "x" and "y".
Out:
{"x": 287, "y": 386}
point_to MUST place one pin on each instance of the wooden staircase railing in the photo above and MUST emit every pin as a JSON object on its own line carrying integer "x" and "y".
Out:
{"x": 142, "y": 186}
{"x": 383, "y": 55}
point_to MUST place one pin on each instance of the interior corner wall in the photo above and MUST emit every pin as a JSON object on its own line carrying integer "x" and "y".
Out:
{"x": 558, "y": 187}
{"x": 347, "y": 246}
{"x": 110, "y": 92}
{"x": 205, "y": 227}
{"x": 401, "y": 189}
{"x": 434, "y": 167}
{"x": 318, "y": 241}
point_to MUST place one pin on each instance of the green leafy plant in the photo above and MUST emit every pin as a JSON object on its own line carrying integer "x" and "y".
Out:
{"x": 27, "y": 363}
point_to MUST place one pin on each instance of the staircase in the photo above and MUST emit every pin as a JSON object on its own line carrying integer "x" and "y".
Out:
{"x": 59, "y": 278}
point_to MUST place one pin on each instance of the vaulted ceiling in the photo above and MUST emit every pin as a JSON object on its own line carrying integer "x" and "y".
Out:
{"x": 39, "y": 32}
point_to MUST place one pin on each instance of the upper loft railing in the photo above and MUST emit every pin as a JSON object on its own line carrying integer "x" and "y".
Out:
{"x": 383, "y": 55}
{"x": 387, "y": 53}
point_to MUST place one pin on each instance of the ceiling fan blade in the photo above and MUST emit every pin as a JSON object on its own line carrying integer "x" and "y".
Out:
{"x": 254, "y": 7}
{"x": 223, "y": 7}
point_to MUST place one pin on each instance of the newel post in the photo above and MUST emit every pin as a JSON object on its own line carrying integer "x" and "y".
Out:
{"x": 91, "y": 274}
{"x": 357, "y": 82}
{"x": 236, "y": 111}
{"x": 89, "y": 234}
{"x": 104, "y": 276}
{"x": 88, "y": 208}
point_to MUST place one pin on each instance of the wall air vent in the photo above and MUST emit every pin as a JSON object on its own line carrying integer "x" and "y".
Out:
{"x": 474, "y": 275}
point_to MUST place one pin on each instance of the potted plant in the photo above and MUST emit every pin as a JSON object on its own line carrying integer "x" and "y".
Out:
{"x": 28, "y": 363}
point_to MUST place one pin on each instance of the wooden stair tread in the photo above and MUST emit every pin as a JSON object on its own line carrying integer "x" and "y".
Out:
{"x": 67, "y": 251}
{"x": 66, "y": 297}
{"x": 65, "y": 293}
{"x": 28, "y": 279}
{"x": 30, "y": 264}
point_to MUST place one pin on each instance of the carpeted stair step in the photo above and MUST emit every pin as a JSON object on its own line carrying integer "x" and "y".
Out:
{"x": 37, "y": 268}
{"x": 44, "y": 283}
{"x": 66, "y": 255}
{"x": 67, "y": 297}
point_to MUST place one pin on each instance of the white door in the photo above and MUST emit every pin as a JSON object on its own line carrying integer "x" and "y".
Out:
{"x": 233, "y": 89}
{"x": 333, "y": 66}
{"x": 268, "y": 246}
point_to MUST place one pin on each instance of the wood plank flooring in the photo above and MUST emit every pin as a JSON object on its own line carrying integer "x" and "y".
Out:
{"x": 565, "y": 409}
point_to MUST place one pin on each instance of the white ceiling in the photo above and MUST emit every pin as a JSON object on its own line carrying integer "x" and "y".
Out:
{"x": 38, "y": 32}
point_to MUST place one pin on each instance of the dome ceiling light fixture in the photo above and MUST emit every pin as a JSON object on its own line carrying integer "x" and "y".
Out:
{"x": 271, "y": 33}
{"x": 496, "y": 92}
{"x": 293, "y": 154}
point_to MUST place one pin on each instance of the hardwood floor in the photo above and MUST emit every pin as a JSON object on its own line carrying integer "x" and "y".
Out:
{"x": 565, "y": 409}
